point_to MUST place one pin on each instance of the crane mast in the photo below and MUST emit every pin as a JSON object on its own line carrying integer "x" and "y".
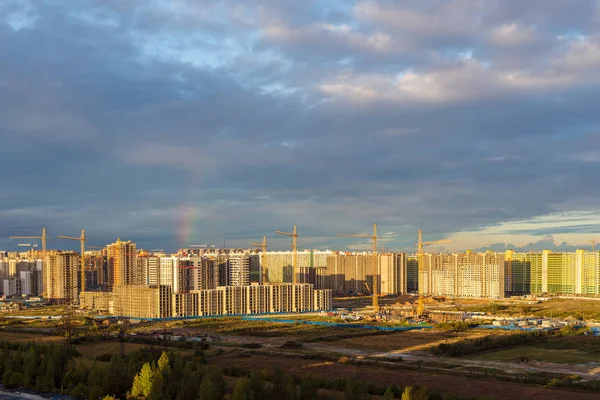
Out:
{"x": 263, "y": 256}
{"x": 82, "y": 267}
{"x": 43, "y": 238}
{"x": 294, "y": 236}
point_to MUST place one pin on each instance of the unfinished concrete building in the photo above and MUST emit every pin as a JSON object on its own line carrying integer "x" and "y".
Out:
{"x": 61, "y": 276}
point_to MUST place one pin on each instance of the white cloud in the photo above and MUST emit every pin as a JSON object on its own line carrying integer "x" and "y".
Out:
{"x": 512, "y": 35}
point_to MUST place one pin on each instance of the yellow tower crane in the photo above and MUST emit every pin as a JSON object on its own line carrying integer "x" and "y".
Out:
{"x": 82, "y": 242}
{"x": 263, "y": 257}
{"x": 43, "y": 238}
{"x": 594, "y": 243}
{"x": 294, "y": 236}
{"x": 420, "y": 245}
{"x": 375, "y": 254}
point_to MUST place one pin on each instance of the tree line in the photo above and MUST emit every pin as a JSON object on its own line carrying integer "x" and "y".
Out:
{"x": 152, "y": 374}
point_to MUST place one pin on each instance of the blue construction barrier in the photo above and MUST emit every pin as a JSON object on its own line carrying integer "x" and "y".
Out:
{"x": 339, "y": 325}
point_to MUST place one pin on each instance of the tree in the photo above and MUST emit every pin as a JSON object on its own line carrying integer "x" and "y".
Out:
{"x": 189, "y": 384}
{"x": 309, "y": 387}
{"x": 161, "y": 379}
{"x": 415, "y": 393}
{"x": 243, "y": 390}
{"x": 256, "y": 382}
{"x": 212, "y": 386}
{"x": 163, "y": 362}
{"x": 389, "y": 393}
{"x": 279, "y": 380}
{"x": 142, "y": 383}
{"x": 355, "y": 390}
{"x": 291, "y": 392}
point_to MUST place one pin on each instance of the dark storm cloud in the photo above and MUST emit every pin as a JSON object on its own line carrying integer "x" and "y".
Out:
{"x": 121, "y": 117}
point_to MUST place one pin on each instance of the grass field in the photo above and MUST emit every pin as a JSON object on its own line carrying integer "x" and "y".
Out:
{"x": 567, "y": 356}
{"x": 28, "y": 337}
{"x": 566, "y": 349}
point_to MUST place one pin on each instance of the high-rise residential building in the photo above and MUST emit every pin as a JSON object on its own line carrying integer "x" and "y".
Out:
{"x": 279, "y": 264}
{"x": 26, "y": 278}
{"x": 12, "y": 287}
{"x": 587, "y": 273}
{"x": 412, "y": 273}
{"x": 205, "y": 273}
{"x": 60, "y": 276}
{"x": 553, "y": 272}
{"x": 238, "y": 268}
{"x": 392, "y": 272}
{"x": 462, "y": 275}
{"x": 148, "y": 268}
{"x": 122, "y": 263}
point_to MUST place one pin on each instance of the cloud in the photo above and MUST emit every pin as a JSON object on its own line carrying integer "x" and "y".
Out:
{"x": 450, "y": 116}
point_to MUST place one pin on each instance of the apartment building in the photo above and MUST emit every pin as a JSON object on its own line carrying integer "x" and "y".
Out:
{"x": 205, "y": 273}
{"x": 253, "y": 299}
{"x": 238, "y": 269}
{"x": 553, "y": 272}
{"x": 462, "y": 275}
{"x": 140, "y": 301}
{"x": 61, "y": 276}
{"x": 122, "y": 263}
{"x": 279, "y": 264}
{"x": 393, "y": 275}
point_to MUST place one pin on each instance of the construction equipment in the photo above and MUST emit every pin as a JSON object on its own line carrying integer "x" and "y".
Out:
{"x": 43, "y": 238}
{"x": 420, "y": 244}
{"x": 368, "y": 289}
{"x": 82, "y": 242}
{"x": 594, "y": 243}
{"x": 294, "y": 236}
{"x": 263, "y": 257}
{"x": 376, "y": 274}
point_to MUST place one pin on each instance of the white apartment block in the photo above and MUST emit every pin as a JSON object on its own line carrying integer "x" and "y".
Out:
{"x": 392, "y": 273}
{"x": 477, "y": 275}
{"x": 238, "y": 269}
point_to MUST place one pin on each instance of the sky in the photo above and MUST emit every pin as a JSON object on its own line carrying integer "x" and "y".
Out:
{"x": 178, "y": 122}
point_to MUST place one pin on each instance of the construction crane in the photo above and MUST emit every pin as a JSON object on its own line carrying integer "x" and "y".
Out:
{"x": 368, "y": 289}
{"x": 420, "y": 244}
{"x": 294, "y": 236}
{"x": 263, "y": 257}
{"x": 82, "y": 242}
{"x": 376, "y": 274}
{"x": 43, "y": 238}
{"x": 594, "y": 243}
